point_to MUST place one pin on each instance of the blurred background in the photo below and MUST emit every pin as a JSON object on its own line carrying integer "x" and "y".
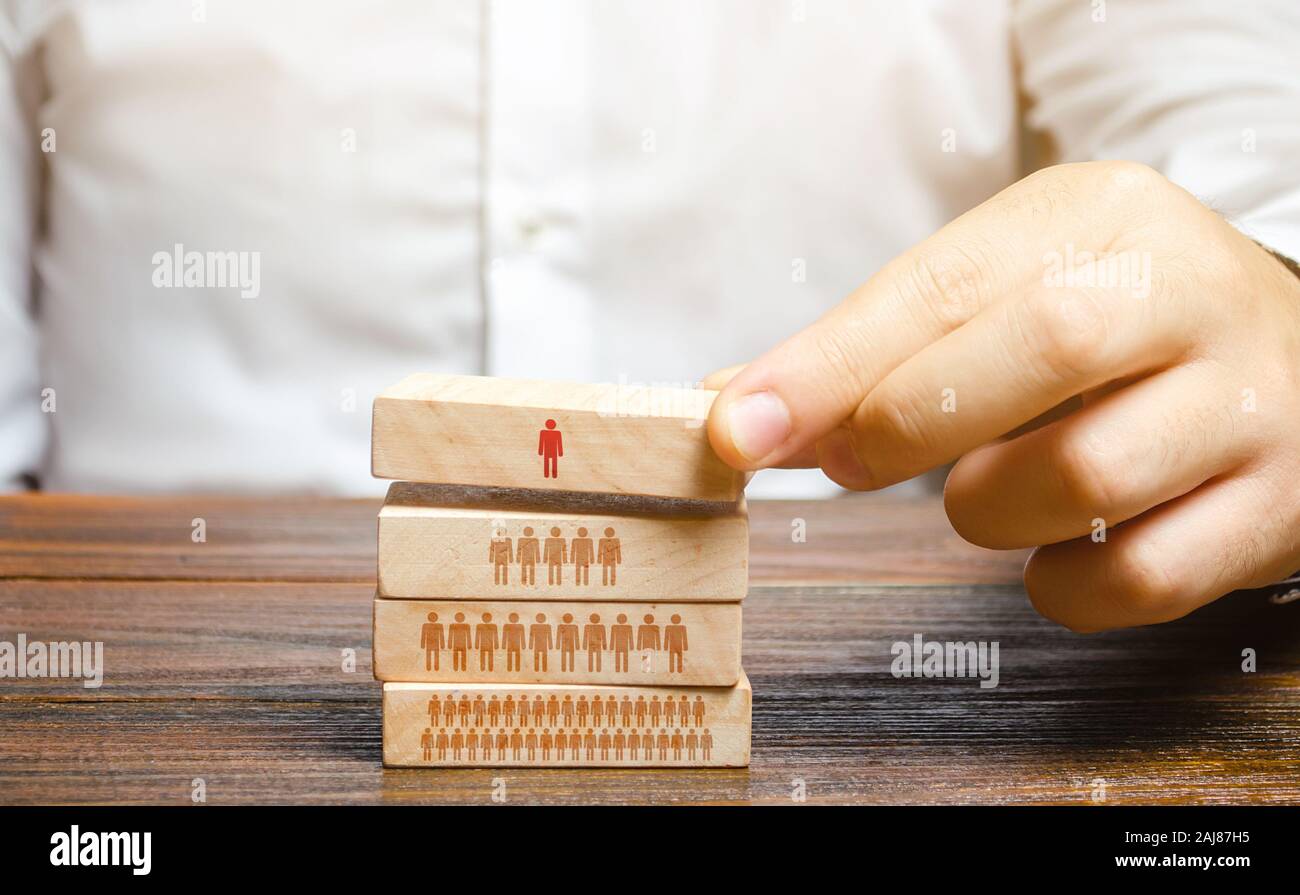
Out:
{"x": 226, "y": 224}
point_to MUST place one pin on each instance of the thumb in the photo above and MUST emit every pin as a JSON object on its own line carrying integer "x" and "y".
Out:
{"x": 781, "y": 404}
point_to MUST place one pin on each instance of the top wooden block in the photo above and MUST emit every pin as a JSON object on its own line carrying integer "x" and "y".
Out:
{"x": 553, "y": 436}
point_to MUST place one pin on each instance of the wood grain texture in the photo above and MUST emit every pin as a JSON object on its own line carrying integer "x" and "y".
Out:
{"x": 643, "y": 728}
{"x": 452, "y": 543}
{"x": 241, "y": 683}
{"x": 881, "y": 538}
{"x": 478, "y": 430}
{"x": 558, "y": 643}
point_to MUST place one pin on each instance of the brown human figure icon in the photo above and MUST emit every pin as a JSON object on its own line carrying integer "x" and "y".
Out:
{"x": 485, "y": 741}
{"x": 597, "y": 709}
{"x": 512, "y": 641}
{"x": 604, "y": 742}
{"x": 426, "y": 744}
{"x": 449, "y": 710}
{"x": 589, "y": 742}
{"x": 555, "y": 553}
{"x": 566, "y": 710}
{"x": 523, "y": 709}
{"x": 582, "y": 708}
{"x": 633, "y": 744}
{"x": 462, "y": 710}
{"x": 457, "y": 743}
{"x": 655, "y": 709}
{"x": 435, "y": 708}
{"x": 550, "y": 447}
{"x": 528, "y": 551}
{"x": 675, "y": 643}
{"x": 647, "y": 635}
{"x": 432, "y": 641}
{"x": 697, "y": 711}
{"x": 625, "y": 711}
{"x": 670, "y": 710}
{"x": 620, "y": 742}
{"x": 593, "y": 641}
{"x": 620, "y": 642}
{"x": 676, "y": 742}
{"x": 486, "y": 641}
{"x": 546, "y": 741}
{"x": 540, "y": 642}
{"x": 566, "y": 641}
{"x": 441, "y": 743}
{"x": 552, "y": 710}
{"x": 609, "y": 553}
{"x": 471, "y": 745}
{"x": 508, "y": 710}
{"x": 561, "y": 741}
{"x": 663, "y": 742}
{"x": 684, "y": 710}
{"x": 575, "y": 744}
{"x": 583, "y": 552}
{"x": 503, "y": 743}
{"x": 640, "y": 711}
{"x": 706, "y": 744}
{"x": 458, "y": 641}
{"x": 501, "y": 554}
{"x": 494, "y": 710}
{"x": 480, "y": 708}
{"x": 539, "y": 710}
{"x": 692, "y": 744}
{"x": 530, "y": 744}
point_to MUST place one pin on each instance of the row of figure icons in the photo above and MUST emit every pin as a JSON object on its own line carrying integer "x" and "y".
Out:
{"x": 566, "y": 712}
{"x": 556, "y": 553}
{"x": 623, "y": 744}
{"x": 540, "y": 638}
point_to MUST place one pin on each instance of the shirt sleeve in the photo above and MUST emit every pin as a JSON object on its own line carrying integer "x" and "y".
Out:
{"x": 22, "y": 424}
{"x": 1206, "y": 92}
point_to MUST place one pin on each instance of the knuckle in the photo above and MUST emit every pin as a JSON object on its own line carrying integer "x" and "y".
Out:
{"x": 1120, "y": 180}
{"x": 953, "y": 282}
{"x": 893, "y": 422}
{"x": 1066, "y": 329}
{"x": 1091, "y": 475}
{"x": 1140, "y": 584}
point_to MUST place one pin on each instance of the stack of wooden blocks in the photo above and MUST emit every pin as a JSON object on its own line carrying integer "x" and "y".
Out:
{"x": 561, "y": 569}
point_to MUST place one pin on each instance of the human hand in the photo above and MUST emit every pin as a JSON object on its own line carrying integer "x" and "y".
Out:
{"x": 1134, "y": 416}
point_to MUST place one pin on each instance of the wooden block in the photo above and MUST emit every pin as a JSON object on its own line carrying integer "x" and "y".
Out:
{"x": 555, "y": 436}
{"x": 715, "y": 733}
{"x": 495, "y": 641}
{"x": 454, "y": 543}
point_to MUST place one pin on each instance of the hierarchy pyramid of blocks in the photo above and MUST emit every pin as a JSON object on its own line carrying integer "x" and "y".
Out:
{"x": 561, "y": 570}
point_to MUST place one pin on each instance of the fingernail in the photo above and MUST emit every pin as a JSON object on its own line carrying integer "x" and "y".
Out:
{"x": 759, "y": 424}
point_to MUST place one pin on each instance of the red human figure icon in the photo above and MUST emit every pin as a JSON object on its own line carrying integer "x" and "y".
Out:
{"x": 550, "y": 447}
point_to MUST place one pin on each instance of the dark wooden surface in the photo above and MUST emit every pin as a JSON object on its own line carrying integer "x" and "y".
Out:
{"x": 224, "y": 662}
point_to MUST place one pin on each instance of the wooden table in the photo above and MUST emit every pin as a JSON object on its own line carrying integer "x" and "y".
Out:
{"x": 225, "y": 662}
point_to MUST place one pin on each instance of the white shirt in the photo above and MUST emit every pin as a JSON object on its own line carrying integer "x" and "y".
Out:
{"x": 600, "y": 190}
